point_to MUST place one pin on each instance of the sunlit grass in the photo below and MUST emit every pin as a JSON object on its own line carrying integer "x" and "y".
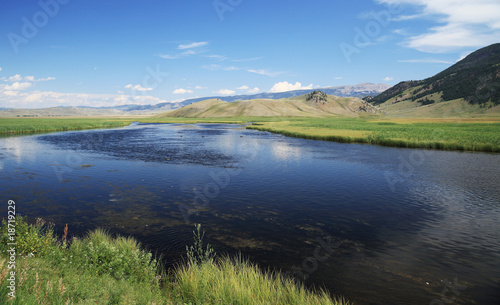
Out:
{"x": 101, "y": 269}
{"x": 32, "y": 125}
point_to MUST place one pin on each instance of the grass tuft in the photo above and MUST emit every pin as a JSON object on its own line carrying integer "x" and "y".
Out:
{"x": 101, "y": 269}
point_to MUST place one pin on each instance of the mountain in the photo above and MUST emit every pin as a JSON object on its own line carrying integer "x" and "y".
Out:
{"x": 359, "y": 90}
{"x": 473, "y": 83}
{"x": 314, "y": 104}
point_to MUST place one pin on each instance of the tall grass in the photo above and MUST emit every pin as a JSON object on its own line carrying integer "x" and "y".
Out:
{"x": 32, "y": 125}
{"x": 458, "y": 135}
{"x": 101, "y": 269}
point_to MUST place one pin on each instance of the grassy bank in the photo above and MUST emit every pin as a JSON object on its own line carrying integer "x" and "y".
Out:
{"x": 32, "y": 125}
{"x": 100, "y": 269}
{"x": 465, "y": 134}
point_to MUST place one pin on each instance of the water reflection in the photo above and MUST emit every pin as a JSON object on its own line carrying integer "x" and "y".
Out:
{"x": 271, "y": 198}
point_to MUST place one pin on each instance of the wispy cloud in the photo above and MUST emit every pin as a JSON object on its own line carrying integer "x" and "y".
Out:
{"x": 192, "y": 45}
{"x": 214, "y": 67}
{"x": 388, "y": 78}
{"x": 246, "y": 59}
{"x": 200, "y": 88}
{"x": 264, "y": 72}
{"x": 217, "y": 57}
{"x": 459, "y": 24}
{"x": 243, "y": 88}
{"x": 426, "y": 61}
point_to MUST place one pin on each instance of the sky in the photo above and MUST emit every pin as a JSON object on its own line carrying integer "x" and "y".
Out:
{"x": 108, "y": 53}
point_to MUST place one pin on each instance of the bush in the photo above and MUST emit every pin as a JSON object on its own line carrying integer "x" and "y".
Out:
{"x": 30, "y": 239}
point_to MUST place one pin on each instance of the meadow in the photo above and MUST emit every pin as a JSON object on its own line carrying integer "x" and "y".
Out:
{"x": 463, "y": 134}
{"x": 102, "y": 269}
{"x": 33, "y": 125}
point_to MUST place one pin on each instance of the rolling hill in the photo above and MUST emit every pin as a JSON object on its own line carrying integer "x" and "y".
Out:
{"x": 470, "y": 86}
{"x": 314, "y": 104}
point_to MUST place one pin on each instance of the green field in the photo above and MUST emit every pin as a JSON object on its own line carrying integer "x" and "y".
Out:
{"x": 465, "y": 134}
{"x": 32, "y": 125}
{"x": 100, "y": 269}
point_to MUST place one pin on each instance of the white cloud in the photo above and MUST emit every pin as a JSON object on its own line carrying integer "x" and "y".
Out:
{"x": 15, "y": 78}
{"x": 426, "y": 61}
{"x": 137, "y": 87}
{"x": 264, "y": 72}
{"x": 339, "y": 77}
{"x": 167, "y": 56}
{"x": 285, "y": 86}
{"x": 243, "y": 88}
{"x": 462, "y": 24}
{"x": 0, "y": 68}
{"x": 247, "y": 59}
{"x": 254, "y": 90}
{"x": 224, "y": 92}
{"x": 17, "y": 86}
{"x": 388, "y": 78}
{"x": 217, "y": 57}
{"x": 181, "y": 91}
{"x": 220, "y": 68}
{"x": 200, "y": 88}
{"x": 192, "y": 45}
{"x": 37, "y": 99}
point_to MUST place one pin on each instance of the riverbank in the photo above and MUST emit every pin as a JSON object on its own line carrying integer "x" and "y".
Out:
{"x": 37, "y": 125}
{"x": 462, "y": 134}
{"x": 100, "y": 269}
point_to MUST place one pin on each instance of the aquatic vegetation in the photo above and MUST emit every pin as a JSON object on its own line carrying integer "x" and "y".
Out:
{"x": 101, "y": 269}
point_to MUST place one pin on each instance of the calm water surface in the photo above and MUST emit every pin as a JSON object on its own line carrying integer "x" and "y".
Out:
{"x": 377, "y": 225}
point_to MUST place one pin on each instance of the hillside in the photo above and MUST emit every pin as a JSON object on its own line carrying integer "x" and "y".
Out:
{"x": 314, "y": 104}
{"x": 359, "y": 90}
{"x": 472, "y": 86}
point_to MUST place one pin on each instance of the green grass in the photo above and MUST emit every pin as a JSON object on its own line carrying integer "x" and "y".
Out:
{"x": 465, "y": 134}
{"x": 32, "y": 125}
{"x": 101, "y": 269}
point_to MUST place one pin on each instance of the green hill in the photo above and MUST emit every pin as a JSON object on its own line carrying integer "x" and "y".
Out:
{"x": 314, "y": 104}
{"x": 470, "y": 86}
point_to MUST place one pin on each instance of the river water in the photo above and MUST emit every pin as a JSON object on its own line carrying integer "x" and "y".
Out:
{"x": 377, "y": 225}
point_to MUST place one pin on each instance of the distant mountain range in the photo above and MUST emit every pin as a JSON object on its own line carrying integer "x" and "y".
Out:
{"x": 360, "y": 90}
{"x": 470, "y": 86}
{"x": 313, "y": 104}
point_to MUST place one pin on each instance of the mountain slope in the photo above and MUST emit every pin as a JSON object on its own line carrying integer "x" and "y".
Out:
{"x": 315, "y": 104}
{"x": 475, "y": 80}
{"x": 359, "y": 90}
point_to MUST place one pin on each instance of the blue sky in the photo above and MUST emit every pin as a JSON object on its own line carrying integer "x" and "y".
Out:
{"x": 97, "y": 53}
